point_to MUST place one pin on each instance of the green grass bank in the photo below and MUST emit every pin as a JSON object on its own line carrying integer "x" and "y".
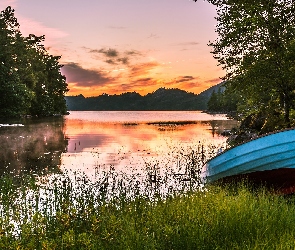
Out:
{"x": 80, "y": 217}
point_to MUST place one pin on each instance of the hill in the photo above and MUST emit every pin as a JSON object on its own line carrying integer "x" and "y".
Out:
{"x": 161, "y": 99}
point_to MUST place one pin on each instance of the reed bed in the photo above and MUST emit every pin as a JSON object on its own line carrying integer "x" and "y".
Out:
{"x": 120, "y": 211}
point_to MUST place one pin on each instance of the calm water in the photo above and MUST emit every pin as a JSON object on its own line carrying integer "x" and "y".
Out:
{"x": 89, "y": 141}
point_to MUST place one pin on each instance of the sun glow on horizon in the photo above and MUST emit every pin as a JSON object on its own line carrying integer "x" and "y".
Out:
{"x": 105, "y": 50}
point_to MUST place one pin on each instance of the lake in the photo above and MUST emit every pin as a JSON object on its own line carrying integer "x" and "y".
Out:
{"x": 93, "y": 141}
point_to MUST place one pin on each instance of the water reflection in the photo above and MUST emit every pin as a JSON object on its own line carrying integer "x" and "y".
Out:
{"x": 35, "y": 147}
{"x": 89, "y": 141}
{"x": 121, "y": 140}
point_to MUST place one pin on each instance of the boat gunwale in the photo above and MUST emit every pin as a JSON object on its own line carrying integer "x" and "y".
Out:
{"x": 250, "y": 140}
{"x": 285, "y": 160}
{"x": 228, "y": 162}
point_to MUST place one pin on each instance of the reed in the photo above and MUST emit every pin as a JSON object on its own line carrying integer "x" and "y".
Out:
{"x": 71, "y": 212}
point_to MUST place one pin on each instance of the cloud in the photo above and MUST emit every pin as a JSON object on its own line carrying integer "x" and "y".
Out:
{"x": 190, "y": 85}
{"x": 123, "y": 60}
{"x": 143, "y": 69}
{"x": 214, "y": 80}
{"x": 107, "y": 52}
{"x": 146, "y": 79}
{"x": 133, "y": 53}
{"x": 140, "y": 84}
{"x": 154, "y": 36}
{"x": 84, "y": 77}
{"x": 110, "y": 61}
{"x": 115, "y": 57}
{"x": 186, "y": 44}
{"x": 30, "y": 26}
{"x": 184, "y": 78}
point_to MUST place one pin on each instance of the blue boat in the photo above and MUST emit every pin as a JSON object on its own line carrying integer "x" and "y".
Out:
{"x": 268, "y": 160}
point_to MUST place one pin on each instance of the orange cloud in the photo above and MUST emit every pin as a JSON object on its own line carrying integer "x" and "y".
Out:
{"x": 214, "y": 80}
{"x": 142, "y": 69}
{"x": 184, "y": 79}
{"x": 192, "y": 86}
{"x": 127, "y": 71}
{"x": 138, "y": 78}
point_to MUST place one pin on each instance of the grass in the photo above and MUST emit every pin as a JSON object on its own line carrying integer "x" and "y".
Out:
{"x": 72, "y": 212}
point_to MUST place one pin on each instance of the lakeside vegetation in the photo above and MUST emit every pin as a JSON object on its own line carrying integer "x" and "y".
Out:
{"x": 30, "y": 77}
{"x": 75, "y": 213}
{"x": 256, "y": 47}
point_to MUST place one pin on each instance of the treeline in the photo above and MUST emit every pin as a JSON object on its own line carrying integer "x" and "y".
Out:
{"x": 223, "y": 101}
{"x": 161, "y": 99}
{"x": 30, "y": 78}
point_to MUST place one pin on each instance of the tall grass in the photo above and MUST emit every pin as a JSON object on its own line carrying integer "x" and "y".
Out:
{"x": 158, "y": 208}
{"x": 71, "y": 212}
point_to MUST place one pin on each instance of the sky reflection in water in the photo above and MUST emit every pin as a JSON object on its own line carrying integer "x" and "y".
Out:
{"x": 125, "y": 139}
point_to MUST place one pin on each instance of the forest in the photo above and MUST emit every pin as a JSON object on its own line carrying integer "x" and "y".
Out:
{"x": 30, "y": 79}
{"x": 161, "y": 99}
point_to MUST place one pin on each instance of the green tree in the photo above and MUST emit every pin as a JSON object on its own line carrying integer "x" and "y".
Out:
{"x": 30, "y": 78}
{"x": 230, "y": 101}
{"x": 214, "y": 102}
{"x": 14, "y": 94}
{"x": 49, "y": 85}
{"x": 223, "y": 101}
{"x": 256, "y": 48}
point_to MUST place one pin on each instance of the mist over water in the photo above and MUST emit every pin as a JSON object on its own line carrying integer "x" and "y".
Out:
{"x": 35, "y": 147}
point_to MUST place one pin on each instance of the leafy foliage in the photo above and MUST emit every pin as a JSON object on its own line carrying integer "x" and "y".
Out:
{"x": 223, "y": 101}
{"x": 256, "y": 48}
{"x": 30, "y": 78}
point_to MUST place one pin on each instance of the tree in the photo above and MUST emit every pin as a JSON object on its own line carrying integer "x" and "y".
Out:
{"x": 214, "y": 102}
{"x": 49, "y": 85}
{"x": 256, "y": 48}
{"x": 14, "y": 94}
{"x": 223, "y": 101}
{"x": 30, "y": 78}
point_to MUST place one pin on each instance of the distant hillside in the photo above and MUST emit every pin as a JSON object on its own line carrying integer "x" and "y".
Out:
{"x": 161, "y": 99}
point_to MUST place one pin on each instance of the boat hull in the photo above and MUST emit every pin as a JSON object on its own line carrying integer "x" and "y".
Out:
{"x": 281, "y": 181}
{"x": 261, "y": 160}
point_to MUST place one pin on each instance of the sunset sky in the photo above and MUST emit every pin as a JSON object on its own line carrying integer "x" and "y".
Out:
{"x": 115, "y": 46}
